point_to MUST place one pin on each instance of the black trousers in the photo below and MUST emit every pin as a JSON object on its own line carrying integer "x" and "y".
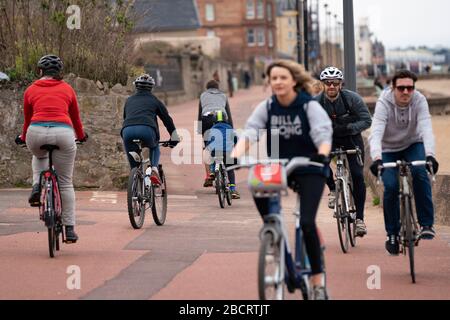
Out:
{"x": 310, "y": 188}
{"x": 357, "y": 172}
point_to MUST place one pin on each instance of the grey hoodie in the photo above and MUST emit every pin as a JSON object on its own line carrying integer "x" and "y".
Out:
{"x": 394, "y": 128}
{"x": 214, "y": 100}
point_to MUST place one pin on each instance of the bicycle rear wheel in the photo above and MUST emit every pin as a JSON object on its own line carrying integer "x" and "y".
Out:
{"x": 159, "y": 207}
{"x": 227, "y": 188}
{"x": 271, "y": 269}
{"x": 220, "y": 188}
{"x": 135, "y": 198}
{"x": 342, "y": 220}
{"x": 51, "y": 241}
{"x": 410, "y": 237}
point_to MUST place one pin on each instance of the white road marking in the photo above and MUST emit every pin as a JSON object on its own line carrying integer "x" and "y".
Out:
{"x": 182, "y": 197}
{"x": 104, "y": 197}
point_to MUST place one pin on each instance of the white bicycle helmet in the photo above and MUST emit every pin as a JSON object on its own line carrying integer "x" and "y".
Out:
{"x": 331, "y": 73}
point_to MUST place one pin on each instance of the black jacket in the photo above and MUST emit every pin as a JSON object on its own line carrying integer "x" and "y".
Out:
{"x": 142, "y": 109}
{"x": 355, "y": 115}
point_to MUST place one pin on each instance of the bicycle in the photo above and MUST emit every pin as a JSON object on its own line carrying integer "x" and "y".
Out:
{"x": 409, "y": 229}
{"x": 344, "y": 208}
{"x": 277, "y": 267}
{"x": 142, "y": 194}
{"x": 50, "y": 206}
{"x": 221, "y": 182}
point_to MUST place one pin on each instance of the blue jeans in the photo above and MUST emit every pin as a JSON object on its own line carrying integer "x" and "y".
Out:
{"x": 421, "y": 186}
{"x": 149, "y": 139}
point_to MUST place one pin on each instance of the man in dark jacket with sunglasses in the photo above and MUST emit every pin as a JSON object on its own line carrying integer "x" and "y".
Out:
{"x": 350, "y": 117}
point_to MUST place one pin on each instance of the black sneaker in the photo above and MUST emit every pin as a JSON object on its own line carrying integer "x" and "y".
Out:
{"x": 71, "y": 236}
{"x": 393, "y": 245}
{"x": 35, "y": 198}
{"x": 427, "y": 233}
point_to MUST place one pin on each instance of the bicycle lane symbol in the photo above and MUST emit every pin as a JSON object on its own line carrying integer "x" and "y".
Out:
{"x": 374, "y": 280}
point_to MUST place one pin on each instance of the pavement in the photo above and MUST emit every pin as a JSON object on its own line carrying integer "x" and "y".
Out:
{"x": 202, "y": 252}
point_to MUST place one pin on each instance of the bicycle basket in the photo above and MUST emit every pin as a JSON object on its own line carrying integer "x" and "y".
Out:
{"x": 267, "y": 178}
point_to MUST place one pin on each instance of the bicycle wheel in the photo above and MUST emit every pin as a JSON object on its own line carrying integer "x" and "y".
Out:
{"x": 159, "y": 207}
{"x": 227, "y": 188}
{"x": 271, "y": 269}
{"x": 410, "y": 237}
{"x": 51, "y": 241}
{"x": 135, "y": 198}
{"x": 352, "y": 221}
{"x": 220, "y": 188}
{"x": 342, "y": 220}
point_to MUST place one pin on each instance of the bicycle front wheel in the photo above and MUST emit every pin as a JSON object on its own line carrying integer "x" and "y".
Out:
{"x": 135, "y": 198}
{"x": 352, "y": 219}
{"x": 271, "y": 269}
{"x": 342, "y": 220}
{"x": 159, "y": 208}
{"x": 410, "y": 237}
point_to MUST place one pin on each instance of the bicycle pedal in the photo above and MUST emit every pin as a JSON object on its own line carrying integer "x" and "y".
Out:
{"x": 70, "y": 241}
{"x": 35, "y": 204}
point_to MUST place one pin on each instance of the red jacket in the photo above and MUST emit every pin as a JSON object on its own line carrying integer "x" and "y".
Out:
{"x": 51, "y": 101}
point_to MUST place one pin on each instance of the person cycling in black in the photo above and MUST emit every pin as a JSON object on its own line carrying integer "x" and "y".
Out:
{"x": 140, "y": 123}
{"x": 350, "y": 117}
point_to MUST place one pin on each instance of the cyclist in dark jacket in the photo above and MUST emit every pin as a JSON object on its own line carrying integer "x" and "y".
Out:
{"x": 350, "y": 117}
{"x": 140, "y": 123}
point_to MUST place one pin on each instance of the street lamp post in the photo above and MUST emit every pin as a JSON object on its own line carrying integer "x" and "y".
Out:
{"x": 299, "y": 45}
{"x": 349, "y": 45}
{"x": 305, "y": 33}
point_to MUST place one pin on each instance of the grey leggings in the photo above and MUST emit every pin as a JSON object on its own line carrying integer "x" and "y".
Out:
{"x": 63, "y": 160}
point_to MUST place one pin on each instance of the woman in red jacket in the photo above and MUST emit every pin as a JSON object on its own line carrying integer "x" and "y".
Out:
{"x": 51, "y": 116}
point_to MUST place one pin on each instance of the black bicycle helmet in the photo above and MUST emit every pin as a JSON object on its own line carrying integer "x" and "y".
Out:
{"x": 50, "y": 63}
{"x": 144, "y": 82}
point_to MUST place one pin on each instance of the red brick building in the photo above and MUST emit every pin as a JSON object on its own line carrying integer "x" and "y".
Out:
{"x": 247, "y": 28}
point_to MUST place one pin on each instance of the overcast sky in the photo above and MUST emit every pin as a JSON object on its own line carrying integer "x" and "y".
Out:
{"x": 401, "y": 23}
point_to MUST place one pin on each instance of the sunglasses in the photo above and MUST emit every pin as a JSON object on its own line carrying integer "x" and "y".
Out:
{"x": 403, "y": 88}
{"x": 330, "y": 83}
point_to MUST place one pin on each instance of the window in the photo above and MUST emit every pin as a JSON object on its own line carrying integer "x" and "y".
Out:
{"x": 251, "y": 37}
{"x": 290, "y": 21}
{"x": 290, "y": 35}
{"x": 261, "y": 37}
{"x": 210, "y": 33}
{"x": 250, "y": 9}
{"x": 260, "y": 9}
{"x": 269, "y": 12}
{"x": 209, "y": 12}
{"x": 270, "y": 34}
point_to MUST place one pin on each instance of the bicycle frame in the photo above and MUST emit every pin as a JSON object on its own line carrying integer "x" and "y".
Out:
{"x": 406, "y": 194}
{"x": 297, "y": 270}
{"x": 343, "y": 175}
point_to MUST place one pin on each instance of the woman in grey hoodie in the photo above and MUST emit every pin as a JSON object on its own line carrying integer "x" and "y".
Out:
{"x": 402, "y": 130}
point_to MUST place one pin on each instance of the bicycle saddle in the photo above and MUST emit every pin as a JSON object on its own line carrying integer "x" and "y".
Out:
{"x": 49, "y": 147}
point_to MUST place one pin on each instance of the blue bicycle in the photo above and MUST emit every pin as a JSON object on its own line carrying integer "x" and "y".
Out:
{"x": 277, "y": 267}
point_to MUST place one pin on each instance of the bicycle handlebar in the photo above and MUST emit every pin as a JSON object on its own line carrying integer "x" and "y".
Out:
{"x": 345, "y": 152}
{"x": 399, "y": 163}
{"x": 291, "y": 165}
